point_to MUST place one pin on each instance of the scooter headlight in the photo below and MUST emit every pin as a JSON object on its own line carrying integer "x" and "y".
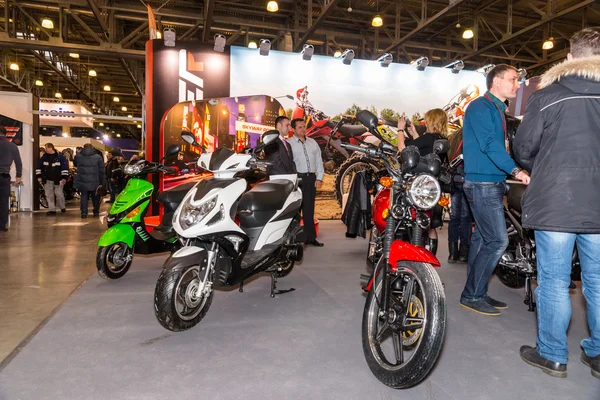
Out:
{"x": 133, "y": 169}
{"x": 424, "y": 191}
{"x": 191, "y": 215}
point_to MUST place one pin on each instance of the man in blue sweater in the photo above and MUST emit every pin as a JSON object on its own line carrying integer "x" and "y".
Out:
{"x": 487, "y": 163}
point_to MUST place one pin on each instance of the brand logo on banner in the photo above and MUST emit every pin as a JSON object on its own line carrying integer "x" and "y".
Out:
{"x": 191, "y": 87}
{"x": 251, "y": 128}
{"x": 14, "y": 129}
{"x": 61, "y": 114}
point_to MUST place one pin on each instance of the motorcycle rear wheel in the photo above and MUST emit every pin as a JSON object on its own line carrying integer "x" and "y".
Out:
{"x": 177, "y": 304}
{"x": 510, "y": 277}
{"x": 424, "y": 343}
{"x": 114, "y": 261}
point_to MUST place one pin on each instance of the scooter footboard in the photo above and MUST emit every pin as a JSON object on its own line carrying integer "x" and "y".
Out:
{"x": 185, "y": 257}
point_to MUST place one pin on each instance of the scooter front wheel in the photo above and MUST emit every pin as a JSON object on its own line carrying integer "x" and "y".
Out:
{"x": 114, "y": 261}
{"x": 180, "y": 298}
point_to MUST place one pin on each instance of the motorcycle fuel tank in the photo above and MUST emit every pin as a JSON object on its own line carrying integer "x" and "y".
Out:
{"x": 380, "y": 204}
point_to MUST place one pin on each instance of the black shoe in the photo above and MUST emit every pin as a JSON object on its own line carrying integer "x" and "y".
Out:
{"x": 593, "y": 363}
{"x": 51, "y": 213}
{"x": 452, "y": 252}
{"x": 63, "y": 210}
{"x": 495, "y": 303}
{"x": 480, "y": 306}
{"x": 96, "y": 214}
{"x": 315, "y": 243}
{"x": 463, "y": 255}
{"x": 83, "y": 215}
{"x": 530, "y": 356}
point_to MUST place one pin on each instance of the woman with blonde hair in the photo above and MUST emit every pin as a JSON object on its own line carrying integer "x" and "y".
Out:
{"x": 436, "y": 122}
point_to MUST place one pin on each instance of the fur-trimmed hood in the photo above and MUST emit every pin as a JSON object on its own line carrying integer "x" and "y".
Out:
{"x": 585, "y": 67}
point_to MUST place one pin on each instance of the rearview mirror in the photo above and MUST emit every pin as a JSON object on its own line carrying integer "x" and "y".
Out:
{"x": 441, "y": 146}
{"x": 368, "y": 119}
{"x": 172, "y": 150}
{"x": 189, "y": 137}
{"x": 270, "y": 136}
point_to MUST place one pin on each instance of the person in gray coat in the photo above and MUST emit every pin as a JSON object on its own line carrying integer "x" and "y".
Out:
{"x": 90, "y": 176}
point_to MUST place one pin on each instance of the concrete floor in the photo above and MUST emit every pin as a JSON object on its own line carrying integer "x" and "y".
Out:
{"x": 105, "y": 342}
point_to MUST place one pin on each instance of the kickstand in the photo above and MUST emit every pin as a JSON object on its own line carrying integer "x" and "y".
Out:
{"x": 242, "y": 287}
{"x": 274, "y": 291}
{"x": 529, "y": 300}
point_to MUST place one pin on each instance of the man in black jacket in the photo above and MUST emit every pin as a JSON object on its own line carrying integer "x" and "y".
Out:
{"x": 90, "y": 176}
{"x": 112, "y": 173}
{"x": 559, "y": 142}
{"x": 9, "y": 153}
{"x": 279, "y": 152}
{"x": 52, "y": 172}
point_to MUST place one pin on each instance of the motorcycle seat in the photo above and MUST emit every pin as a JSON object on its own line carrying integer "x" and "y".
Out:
{"x": 350, "y": 131}
{"x": 176, "y": 194}
{"x": 513, "y": 198}
{"x": 267, "y": 196}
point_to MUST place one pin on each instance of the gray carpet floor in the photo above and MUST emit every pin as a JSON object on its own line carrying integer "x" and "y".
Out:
{"x": 105, "y": 343}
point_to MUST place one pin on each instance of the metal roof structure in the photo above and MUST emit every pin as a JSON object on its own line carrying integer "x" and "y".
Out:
{"x": 108, "y": 36}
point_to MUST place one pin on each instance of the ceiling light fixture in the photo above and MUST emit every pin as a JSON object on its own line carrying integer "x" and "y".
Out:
{"x": 456, "y": 66}
{"x": 220, "y": 43}
{"x": 123, "y": 108}
{"x": 106, "y": 137}
{"x": 39, "y": 82}
{"x": 486, "y": 69}
{"x": 307, "y": 52}
{"x": 252, "y": 45}
{"x": 385, "y": 60}
{"x": 348, "y": 56}
{"x": 421, "y": 63}
{"x": 264, "y": 47}
{"x": 468, "y": 34}
{"x": 118, "y": 135}
{"x": 92, "y": 72}
{"x": 548, "y": 44}
{"x": 107, "y": 88}
{"x": 101, "y": 124}
{"x": 14, "y": 66}
{"x": 272, "y": 6}
{"x": 377, "y": 21}
{"x": 74, "y": 55}
{"x": 116, "y": 99}
{"x": 58, "y": 95}
{"x": 130, "y": 116}
{"x": 47, "y": 23}
{"x": 337, "y": 54}
{"x": 65, "y": 134}
{"x": 158, "y": 35}
{"x": 139, "y": 126}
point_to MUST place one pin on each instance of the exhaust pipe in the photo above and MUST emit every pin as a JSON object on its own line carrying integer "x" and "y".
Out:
{"x": 295, "y": 252}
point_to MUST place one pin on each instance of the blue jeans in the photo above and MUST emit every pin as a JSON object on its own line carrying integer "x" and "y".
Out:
{"x": 554, "y": 252}
{"x": 83, "y": 205}
{"x": 489, "y": 237}
{"x": 460, "y": 218}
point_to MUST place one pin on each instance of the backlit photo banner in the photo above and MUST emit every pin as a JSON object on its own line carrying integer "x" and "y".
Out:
{"x": 334, "y": 88}
{"x": 236, "y": 123}
{"x": 14, "y": 129}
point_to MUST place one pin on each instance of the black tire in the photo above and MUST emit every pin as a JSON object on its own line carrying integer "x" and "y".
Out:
{"x": 426, "y": 346}
{"x": 509, "y": 277}
{"x": 167, "y": 300}
{"x": 342, "y": 178}
{"x": 114, "y": 261}
{"x": 43, "y": 200}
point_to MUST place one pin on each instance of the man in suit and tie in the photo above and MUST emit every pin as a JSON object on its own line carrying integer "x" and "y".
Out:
{"x": 279, "y": 152}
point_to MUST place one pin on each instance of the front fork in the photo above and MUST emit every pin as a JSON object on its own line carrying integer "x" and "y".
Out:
{"x": 206, "y": 286}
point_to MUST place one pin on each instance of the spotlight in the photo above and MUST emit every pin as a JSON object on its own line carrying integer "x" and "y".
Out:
{"x": 348, "y": 56}
{"x": 220, "y": 42}
{"x": 92, "y": 73}
{"x": 307, "y": 52}
{"x": 522, "y": 74}
{"x": 252, "y": 45}
{"x": 169, "y": 35}
{"x": 456, "y": 66}
{"x": 47, "y": 23}
{"x": 385, "y": 60}
{"x": 421, "y": 63}
{"x": 486, "y": 69}
{"x": 264, "y": 47}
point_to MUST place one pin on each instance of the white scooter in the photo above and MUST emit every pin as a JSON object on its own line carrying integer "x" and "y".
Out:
{"x": 218, "y": 251}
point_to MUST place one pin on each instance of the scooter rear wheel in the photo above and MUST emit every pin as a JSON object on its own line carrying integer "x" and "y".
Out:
{"x": 114, "y": 261}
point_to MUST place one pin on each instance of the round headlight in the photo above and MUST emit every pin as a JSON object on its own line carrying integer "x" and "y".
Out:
{"x": 424, "y": 191}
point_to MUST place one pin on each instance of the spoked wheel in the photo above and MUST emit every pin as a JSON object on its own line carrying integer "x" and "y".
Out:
{"x": 43, "y": 199}
{"x": 181, "y": 298}
{"x": 346, "y": 172}
{"x": 114, "y": 261}
{"x": 402, "y": 344}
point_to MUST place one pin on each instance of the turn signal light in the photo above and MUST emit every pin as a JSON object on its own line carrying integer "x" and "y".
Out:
{"x": 134, "y": 212}
{"x": 386, "y": 181}
{"x": 385, "y": 214}
{"x": 443, "y": 201}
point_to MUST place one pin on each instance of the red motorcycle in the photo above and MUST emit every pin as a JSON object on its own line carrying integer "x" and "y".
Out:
{"x": 319, "y": 126}
{"x": 404, "y": 319}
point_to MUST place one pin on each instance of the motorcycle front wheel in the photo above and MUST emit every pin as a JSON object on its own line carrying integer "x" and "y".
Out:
{"x": 179, "y": 304}
{"x": 114, "y": 261}
{"x": 402, "y": 349}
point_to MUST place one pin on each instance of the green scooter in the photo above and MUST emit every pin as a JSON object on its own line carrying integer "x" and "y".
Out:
{"x": 127, "y": 233}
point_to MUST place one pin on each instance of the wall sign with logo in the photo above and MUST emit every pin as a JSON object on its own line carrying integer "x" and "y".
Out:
{"x": 61, "y": 114}
{"x": 14, "y": 129}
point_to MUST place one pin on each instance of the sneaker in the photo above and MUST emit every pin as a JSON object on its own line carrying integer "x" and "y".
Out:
{"x": 495, "y": 303}
{"x": 51, "y": 213}
{"x": 593, "y": 363}
{"x": 63, "y": 210}
{"x": 480, "y": 306}
{"x": 531, "y": 356}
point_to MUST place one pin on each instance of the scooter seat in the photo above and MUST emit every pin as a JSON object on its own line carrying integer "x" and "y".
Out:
{"x": 352, "y": 130}
{"x": 176, "y": 194}
{"x": 267, "y": 196}
{"x": 515, "y": 192}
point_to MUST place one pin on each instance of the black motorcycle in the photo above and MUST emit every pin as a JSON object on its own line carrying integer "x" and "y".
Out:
{"x": 517, "y": 267}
